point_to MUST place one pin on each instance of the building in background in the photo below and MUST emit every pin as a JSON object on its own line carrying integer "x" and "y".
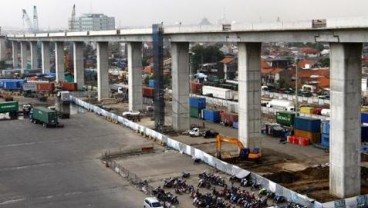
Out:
{"x": 93, "y": 22}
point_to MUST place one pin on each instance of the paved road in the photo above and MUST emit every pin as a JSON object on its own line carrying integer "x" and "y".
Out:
{"x": 42, "y": 167}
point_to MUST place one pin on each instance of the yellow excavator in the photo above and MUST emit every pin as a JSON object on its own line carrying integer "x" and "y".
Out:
{"x": 244, "y": 153}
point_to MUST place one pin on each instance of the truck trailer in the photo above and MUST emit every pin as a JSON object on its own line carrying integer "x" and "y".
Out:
{"x": 44, "y": 116}
{"x": 10, "y": 107}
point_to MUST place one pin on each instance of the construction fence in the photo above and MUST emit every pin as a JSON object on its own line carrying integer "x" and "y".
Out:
{"x": 359, "y": 201}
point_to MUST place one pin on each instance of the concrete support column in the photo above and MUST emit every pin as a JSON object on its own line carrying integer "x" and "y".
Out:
{"x": 345, "y": 119}
{"x": 59, "y": 61}
{"x": 102, "y": 71}
{"x": 23, "y": 56}
{"x": 78, "y": 64}
{"x": 180, "y": 86}
{"x": 249, "y": 70}
{"x": 135, "y": 76}
{"x": 45, "y": 52}
{"x": 2, "y": 48}
{"x": 33, "y": 49}
{"x": 15, "y": 54}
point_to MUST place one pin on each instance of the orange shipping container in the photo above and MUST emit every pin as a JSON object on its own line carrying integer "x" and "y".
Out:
{"x": 148, "y": 92}
{"x": 314, "y": 137}
{"x": 45, "y": 87}
{"x": 70, "y": 86}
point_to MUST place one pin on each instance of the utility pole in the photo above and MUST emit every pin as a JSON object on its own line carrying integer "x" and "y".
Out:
{"x": 296, "y": 84}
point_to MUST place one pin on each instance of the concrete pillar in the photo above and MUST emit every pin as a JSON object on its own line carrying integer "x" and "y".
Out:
{"x": 15, "y": 54}
{"x": 180, "y": 86}
{"x": 59, "y": 61}
{"x": 45, "y": 52}
{"x": 78, "y": 64}
{"x": 23, "y": 56}
{"x": 225, "y": 71}
{"x": 249, "y": 70}
{"x": 33, "y": 48}
{"x": 2, "y": 48}
{"x": 135, "y": 76}
{"x": 102, "y": 71}
{"x": 345, "y": 119}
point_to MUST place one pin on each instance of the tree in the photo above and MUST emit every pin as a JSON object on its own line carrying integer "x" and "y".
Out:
{"x": 202, "y": 54}
{"x": 325, "y": 62}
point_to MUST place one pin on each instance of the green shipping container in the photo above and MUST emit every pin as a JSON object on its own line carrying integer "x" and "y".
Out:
{"x": 285, "y": 118}
{"x": 11, "y": 106}
{"x": 195, "y": 112}
{"x": 45, "y": 115}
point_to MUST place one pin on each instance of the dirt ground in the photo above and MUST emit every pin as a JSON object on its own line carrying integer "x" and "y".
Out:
{"x": 302, "y": 169}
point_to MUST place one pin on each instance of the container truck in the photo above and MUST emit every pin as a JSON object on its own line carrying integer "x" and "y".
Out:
{"x": 11, "y": 108}
{"x": 44, "y": 116}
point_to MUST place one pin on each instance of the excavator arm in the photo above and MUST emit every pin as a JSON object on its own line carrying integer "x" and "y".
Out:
{"x": 221, "y": 138}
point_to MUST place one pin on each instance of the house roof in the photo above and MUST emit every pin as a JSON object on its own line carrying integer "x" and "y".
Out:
{"x": 309, "y": 50}
{"x": 323, "y": 82}
{"x": 303, "y": 63}
{"x": 276, "y": 71}
{"x": 308, "y": 73}
{"x": 264, "y": 64}
{"x": 148, "y": 70}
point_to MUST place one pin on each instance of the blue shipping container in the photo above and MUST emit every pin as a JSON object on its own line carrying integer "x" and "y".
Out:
{"x": 11, "y": 85}
{"x": 364, "y": 117}
{"x": 236, "y": 126}
{"x": 325, "y": 127}
{"x": 307, "y": 124}
{"x": 199, "y": 103}
{"x": 211, "y": 115}
{"x": 325, "y": 140}
{"x": 364, "y": 134}
{"x": 151, "y": 83}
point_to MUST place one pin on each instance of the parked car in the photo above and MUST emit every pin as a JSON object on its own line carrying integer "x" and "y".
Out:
{"x": 152, "y": 202}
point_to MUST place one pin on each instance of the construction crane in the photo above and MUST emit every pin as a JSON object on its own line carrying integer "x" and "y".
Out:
{"x": 72, "y": 20}
{"x": 35, "y": 19}
{"x": 27, "y": 21}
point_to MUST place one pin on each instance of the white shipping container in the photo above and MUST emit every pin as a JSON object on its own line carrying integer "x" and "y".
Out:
{"x": 30, "y": 86}
{"x": 217, "y": 92}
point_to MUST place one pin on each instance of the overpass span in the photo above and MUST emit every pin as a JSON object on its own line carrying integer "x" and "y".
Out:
{"x": 345, "y": 37}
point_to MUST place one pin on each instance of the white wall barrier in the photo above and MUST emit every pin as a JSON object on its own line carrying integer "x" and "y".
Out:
{"x": 359, "y": 201}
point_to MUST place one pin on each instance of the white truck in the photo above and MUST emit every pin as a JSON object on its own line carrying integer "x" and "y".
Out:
{"x": 218, "y": 92}
{"x": 281, "y": 105}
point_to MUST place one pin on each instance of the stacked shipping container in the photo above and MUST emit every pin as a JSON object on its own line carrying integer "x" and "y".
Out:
{"x": 307, "y": 128}
{"x": 196, "y": 105}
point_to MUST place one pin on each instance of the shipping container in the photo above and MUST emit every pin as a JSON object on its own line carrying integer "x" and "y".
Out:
{"x": 325, "y": 127}
{"x": 364, "y": 117}
{"x": 44, "y": 116}
{"x": 236, "y": 125}
{"x": 151, "y": 83}
{"x": 211, "y": 115}
{"x": 217, "y": 92}
{"x": 307, "y": 124}
{"x": 361, "y": 109}
{"x": 148, "y": 92}
{"x": 30, "y": 86}
{"x": 195, "y": 112}
{"x": 325, "y": 112}
{"x": 306, "y": 110}
{"x": 325, "y": 140}
{"x": 197, "y": 102}
{"x": 281, "y": 105}
{"x": 69, "y": 86}
{"x": 11, "y": 106}
{"x": 285, "y": 118}
{"x": 314, "y": 137}
{"x": 11, "y": 84}
{"x": 196, "y": 88}
{"x": 45, "y": 86}
{"x": 228, "y": 118}
{"x": 364, "y": 134}
{"x": 317, "y": 111}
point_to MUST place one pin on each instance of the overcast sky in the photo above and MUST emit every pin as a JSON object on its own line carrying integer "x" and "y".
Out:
{"x": 55, "y": 13}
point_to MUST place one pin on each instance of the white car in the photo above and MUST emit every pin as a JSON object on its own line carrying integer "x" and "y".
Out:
{"x": 152, "y": 202}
